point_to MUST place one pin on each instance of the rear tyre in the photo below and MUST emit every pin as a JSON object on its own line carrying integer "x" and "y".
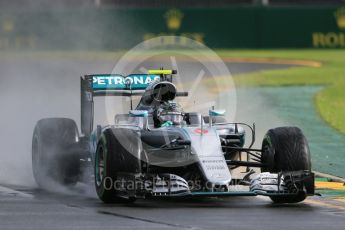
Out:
{"x": 286, "y": 149}
{"x": 53, "y": 159}
{"x": 110, "y": 159}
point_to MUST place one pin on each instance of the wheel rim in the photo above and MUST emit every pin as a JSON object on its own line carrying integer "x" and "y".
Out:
{"x": 99, "y": 166}
{"x": 36, "y": 161}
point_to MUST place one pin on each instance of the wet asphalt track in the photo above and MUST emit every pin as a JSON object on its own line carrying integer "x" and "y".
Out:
{"x": 34, "y": 209}
{"x": 38, "y": 84}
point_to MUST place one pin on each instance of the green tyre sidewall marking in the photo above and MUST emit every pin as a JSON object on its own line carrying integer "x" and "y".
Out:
{"x": 101, "y": 187}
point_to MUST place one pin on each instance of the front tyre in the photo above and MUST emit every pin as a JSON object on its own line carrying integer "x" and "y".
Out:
{"x": 286, "y": 149}
{"x": 110, "y": 159}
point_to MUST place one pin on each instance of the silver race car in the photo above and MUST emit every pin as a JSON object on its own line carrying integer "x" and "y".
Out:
{"x": 159, "y": 150}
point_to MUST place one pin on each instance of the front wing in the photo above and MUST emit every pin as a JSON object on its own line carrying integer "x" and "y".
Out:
{"x": 170, "y": 185}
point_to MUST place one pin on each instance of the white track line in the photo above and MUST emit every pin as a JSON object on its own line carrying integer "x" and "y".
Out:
{"x": 5, "y": 191}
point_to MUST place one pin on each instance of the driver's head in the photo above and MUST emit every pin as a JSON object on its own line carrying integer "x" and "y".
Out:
{"x": 170, "y": 113}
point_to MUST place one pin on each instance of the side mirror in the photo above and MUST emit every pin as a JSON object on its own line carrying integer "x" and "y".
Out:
{"x": 216, "y": 113}
{"x": 141, "y": 117}
{"x": 138, "y": 113}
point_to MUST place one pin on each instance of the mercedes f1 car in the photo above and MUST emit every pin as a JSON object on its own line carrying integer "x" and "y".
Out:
{"x": 159, "y": 150}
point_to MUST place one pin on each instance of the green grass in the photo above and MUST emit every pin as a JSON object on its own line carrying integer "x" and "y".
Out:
{"x": 330, "y": 102}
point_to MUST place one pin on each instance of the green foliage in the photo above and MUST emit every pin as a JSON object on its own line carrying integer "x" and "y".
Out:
{"x": 330, "y": 101}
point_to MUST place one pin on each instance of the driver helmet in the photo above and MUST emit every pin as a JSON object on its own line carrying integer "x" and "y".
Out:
{"x": 170, "y": 113}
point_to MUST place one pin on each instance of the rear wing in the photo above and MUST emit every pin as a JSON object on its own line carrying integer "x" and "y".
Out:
{"x": 114, "y": 85}
{"x": 117, "y": 85}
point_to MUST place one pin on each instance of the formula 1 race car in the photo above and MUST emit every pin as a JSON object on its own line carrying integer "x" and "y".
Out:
{"x": 159, "y": 150}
